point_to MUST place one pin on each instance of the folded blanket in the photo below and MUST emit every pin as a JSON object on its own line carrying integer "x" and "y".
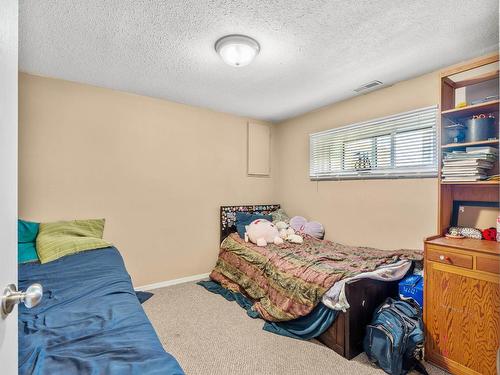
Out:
{"x": 287, "y": 281}
{"x": 336, "y": 299}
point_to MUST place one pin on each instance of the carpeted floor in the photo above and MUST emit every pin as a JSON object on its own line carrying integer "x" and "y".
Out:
{"x": 209, "y": 335}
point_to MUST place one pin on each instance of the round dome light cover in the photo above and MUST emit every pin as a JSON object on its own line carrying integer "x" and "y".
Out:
{"x": 237, "y": 50}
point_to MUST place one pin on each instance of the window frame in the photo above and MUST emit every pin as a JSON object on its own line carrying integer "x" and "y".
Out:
{"x": 430, "y": 148}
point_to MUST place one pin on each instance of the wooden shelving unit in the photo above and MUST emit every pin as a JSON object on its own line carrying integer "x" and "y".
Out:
{"x": 490, "y": 142}
{"x": 471, "y": 183}
{"x": 491, "y": 106}
{"x": 478, "y": 79}
{"x": 461, "y": 274}
{"x": 471, "y": 190}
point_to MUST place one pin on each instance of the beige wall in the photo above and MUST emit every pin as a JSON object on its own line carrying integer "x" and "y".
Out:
{"x": 157, "y": 171}
{"x": 380, "y": 213}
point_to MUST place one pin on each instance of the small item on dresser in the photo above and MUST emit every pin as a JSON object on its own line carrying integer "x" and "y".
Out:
{"x": 454, "y": 232}
{"x": 467, "y": 232}
{"x": 471, "y": 233}
{"x": 498, "y": 228}
{"x": 490, "y": 234}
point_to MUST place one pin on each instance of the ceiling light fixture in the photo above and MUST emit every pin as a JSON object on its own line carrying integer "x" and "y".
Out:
{"x": 237, "y": 50}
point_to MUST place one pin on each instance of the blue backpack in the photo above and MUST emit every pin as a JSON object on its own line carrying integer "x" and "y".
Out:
{"x": 395, "y": 339}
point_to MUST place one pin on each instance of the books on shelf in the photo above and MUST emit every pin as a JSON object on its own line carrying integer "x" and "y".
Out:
{"x": 468, "y": 163}
{"x": 464, "y": 178}
{"x": 472, "y": 164}
{"x": 480, "y": 150}
{"x": 464, "y": 172}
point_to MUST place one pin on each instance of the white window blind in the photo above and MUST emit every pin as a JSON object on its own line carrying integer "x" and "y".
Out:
{"x": 401, "y": 145}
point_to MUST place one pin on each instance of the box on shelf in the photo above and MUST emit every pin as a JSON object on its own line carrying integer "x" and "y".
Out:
{"x": 412, "y": 287}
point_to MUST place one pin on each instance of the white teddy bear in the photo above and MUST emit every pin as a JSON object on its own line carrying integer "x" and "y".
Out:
{"x": 261, "y": 232}
{"x": 287, "y": 233}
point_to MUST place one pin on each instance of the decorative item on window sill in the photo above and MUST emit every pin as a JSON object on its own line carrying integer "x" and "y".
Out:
{"x": 402, "y": 145}
{"x": 363, "y": 162}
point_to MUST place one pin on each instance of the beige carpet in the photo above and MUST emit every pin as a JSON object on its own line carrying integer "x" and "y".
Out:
{"x": 209, "y": 335}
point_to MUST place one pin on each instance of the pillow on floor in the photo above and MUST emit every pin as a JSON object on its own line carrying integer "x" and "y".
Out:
{"x": 61, "y": 238}
{"x": 26, "y": 236}
{"x": 243, "y": 219}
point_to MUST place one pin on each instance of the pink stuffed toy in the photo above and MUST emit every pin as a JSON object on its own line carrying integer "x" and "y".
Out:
{"x": 261, "y": 232}
{"x": 311, "y": 228}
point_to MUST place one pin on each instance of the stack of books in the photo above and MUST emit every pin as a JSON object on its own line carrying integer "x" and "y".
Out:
{"x": 472, "y": 164}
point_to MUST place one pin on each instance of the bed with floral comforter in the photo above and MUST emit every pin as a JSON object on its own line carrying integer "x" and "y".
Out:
{"x": 287, "y": 281}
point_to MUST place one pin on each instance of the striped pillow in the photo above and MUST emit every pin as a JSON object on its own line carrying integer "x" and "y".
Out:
{"x": 61, "y": 238}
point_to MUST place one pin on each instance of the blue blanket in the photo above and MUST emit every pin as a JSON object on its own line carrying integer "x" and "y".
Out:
{"x": 305, "y": 328}
{"x": 89, "y": 321}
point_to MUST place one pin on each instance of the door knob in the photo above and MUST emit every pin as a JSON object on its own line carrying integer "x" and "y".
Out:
{"x": 30, "y": 298}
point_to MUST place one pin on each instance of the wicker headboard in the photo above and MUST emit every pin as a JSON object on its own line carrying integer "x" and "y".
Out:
{"x": 228, "y": 216}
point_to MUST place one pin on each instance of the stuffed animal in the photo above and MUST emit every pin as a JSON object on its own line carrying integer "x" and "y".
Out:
{"x": 294, "y": 238}
{"x": 284, "y": 233}
{"x": 281, "y": 225}
{"x": 312, "y": 228}
{"x": 287, "y": 233}
{"x": 467, "y": 232}
{"x": 261, "y": 232}
{"x": 490, "y": 234}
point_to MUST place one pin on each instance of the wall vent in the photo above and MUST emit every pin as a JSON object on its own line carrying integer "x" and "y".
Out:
{"x": 368, "y": 86}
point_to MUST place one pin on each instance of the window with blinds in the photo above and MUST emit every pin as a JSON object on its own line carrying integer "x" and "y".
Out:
{"x": 402, "y": 145}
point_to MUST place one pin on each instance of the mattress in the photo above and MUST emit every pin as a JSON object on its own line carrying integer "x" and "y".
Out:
{"x": 89, "y": 321}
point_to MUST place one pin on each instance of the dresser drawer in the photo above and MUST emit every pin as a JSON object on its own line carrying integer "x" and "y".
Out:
{"x": 488, "y": 264}
{"x": 440, "y": 255}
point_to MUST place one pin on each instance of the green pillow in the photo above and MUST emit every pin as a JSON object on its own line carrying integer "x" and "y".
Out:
{"x": 280, "y": 215}
{"x": 26, "y": 236}
{"x": 61, "y": 238}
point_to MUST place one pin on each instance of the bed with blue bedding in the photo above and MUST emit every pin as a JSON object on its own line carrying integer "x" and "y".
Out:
{"x": 89, "y": 322}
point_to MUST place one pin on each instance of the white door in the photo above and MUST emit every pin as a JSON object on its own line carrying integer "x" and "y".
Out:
{"x": 8, "y": 178}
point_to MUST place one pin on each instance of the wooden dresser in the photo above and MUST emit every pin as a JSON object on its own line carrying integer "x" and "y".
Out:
{"x": 462, "y": 276}
{"x": 462, "y": 304}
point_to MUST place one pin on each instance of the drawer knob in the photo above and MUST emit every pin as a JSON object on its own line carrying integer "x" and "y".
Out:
{"x": 443, "y": 257}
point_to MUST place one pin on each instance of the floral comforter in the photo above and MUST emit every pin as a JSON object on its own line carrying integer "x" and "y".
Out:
{"x": 287, "y": 281}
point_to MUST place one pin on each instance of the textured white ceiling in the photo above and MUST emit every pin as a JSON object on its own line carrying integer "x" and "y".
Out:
{"x": 312, "y": 52}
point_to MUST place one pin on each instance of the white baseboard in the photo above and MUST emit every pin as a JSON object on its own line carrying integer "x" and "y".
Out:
{"x": 163, "y": 284}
